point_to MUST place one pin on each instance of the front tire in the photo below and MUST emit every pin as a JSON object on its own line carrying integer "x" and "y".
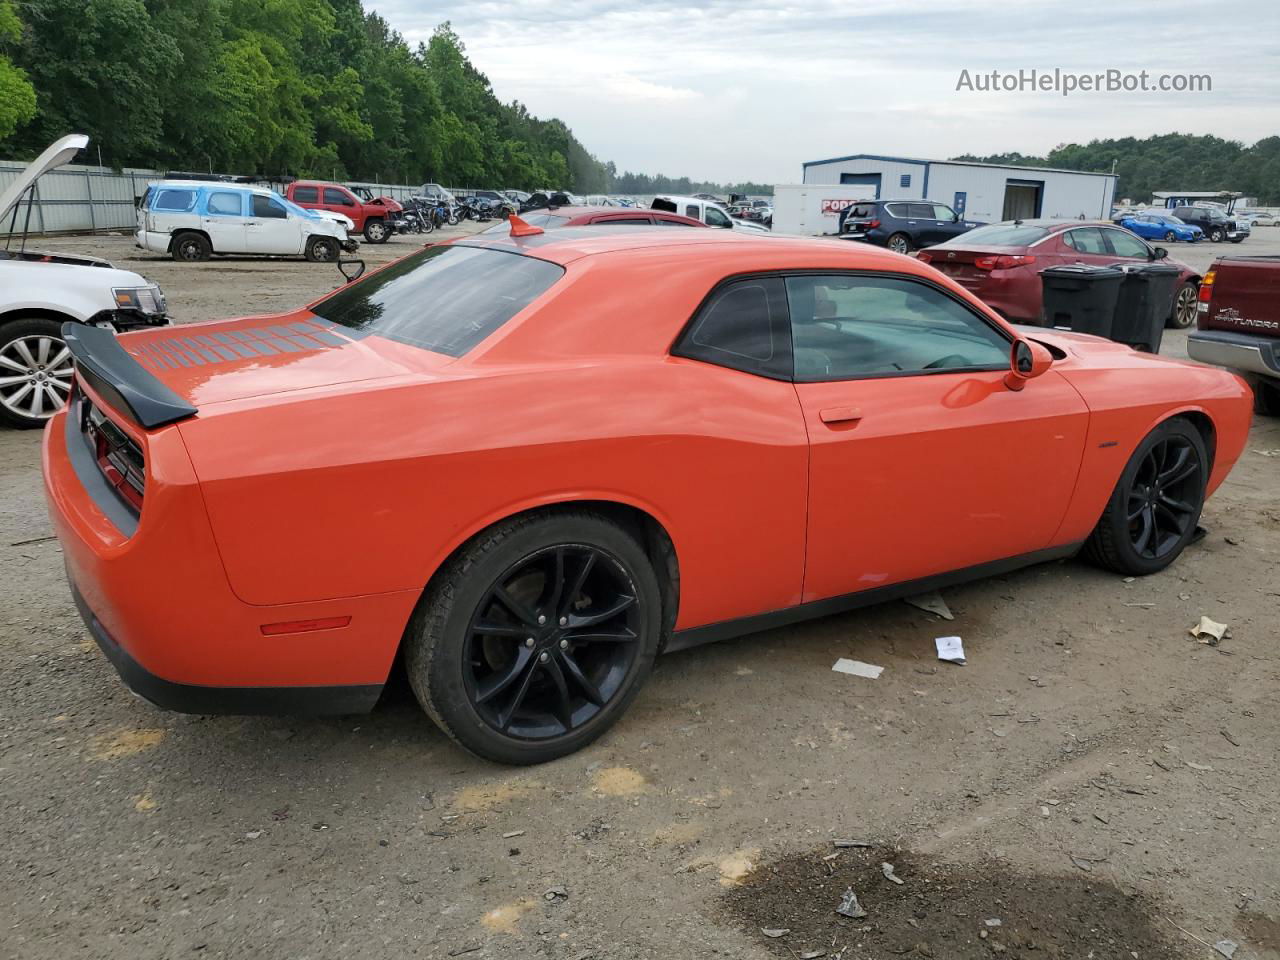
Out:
{"x": 375, "y": 231}
{"x": 35, "y": 372}
{"x": 899, "y": 243}
{"x": 535, "y": 638}
{"x": 1185, "y": 305}
{"x": 1170, "y": 237}
{"x": 322, "y": 250}
{"x": 1216, "y": 236}
{"x": 1154, "y": 509}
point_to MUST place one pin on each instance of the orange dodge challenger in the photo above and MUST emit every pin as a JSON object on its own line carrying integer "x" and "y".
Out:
{"x": 530, "y": 462}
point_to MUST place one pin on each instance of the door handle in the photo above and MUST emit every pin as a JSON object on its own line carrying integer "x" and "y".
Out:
{"x": 840, "y": 414}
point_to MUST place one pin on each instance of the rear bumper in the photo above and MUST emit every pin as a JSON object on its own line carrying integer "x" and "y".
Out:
{"x": 188, "y": 698}
{"x": 1236, "y": 351}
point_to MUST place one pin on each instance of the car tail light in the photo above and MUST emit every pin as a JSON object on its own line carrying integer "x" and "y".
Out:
{"x": 118, "y": 457}
{"x": 871, "y": 224}
{"x": 1003, "y": 262}
{"x": 924, "y": 257}
{"x": 1205, "y": 297}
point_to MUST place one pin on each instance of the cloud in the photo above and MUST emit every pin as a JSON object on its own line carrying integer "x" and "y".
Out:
{"x": 738, "y": 89}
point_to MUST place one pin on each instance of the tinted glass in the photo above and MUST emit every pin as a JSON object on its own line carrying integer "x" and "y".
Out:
{"x": 846, "y": 327}
{"x": 268, "y": 207}
{"x": 445, "y": 299}
{"x": 743, "y": 326}
{"x": 1086, "y": 240}
{"x": 624, "y": 221}
{"x": 691, "y": 210}
{"x": 861, "y": 211}
{"x": 942, "y": 212}
{"x": 336, "y": 197}
{"x": 920, "y": 211}
{"x": 1001, "y": 235}
{"x": 306, "y": 195}
{"x": 1126, "y": 244}
{"x": 671, "y": 223}
{"x": 172, "y": 201}
{"x": 225, "y": 204}
{"x": 717, "y": 218}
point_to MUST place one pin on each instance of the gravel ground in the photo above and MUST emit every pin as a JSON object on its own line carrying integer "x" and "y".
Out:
{"x": 1094, "y": 778}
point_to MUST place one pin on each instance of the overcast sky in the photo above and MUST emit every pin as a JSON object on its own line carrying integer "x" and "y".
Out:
{"x": 747, "y": 90}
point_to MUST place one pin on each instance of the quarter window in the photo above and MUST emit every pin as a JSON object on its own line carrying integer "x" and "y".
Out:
{"x": 743, "y": 326}
{"x": 225, "y": 205}
{"x": 920, "y": 211}
{"x": 691, "y": 210}
{"x": 306, "y": 195}
{"x": 846, "y": 327}
{"x": 173, "y": 201}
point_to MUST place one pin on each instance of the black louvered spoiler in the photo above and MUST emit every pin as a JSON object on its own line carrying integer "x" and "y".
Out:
{"x": 121, "y": 380}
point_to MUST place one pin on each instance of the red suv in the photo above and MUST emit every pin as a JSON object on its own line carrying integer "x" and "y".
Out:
{"x": 374, "y": 218}
{"x": 1000, "y": 263}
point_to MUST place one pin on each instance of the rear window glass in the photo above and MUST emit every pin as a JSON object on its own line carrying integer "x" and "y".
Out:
{"x": 1002, "y": 235}
{"x": 445, "y": 299}
{"x": 178, "y": 201}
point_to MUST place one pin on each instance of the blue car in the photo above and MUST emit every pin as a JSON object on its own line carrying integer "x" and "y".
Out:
{"x": 1160, "y": 226}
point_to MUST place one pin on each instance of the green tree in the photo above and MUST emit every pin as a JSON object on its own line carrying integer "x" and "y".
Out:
{"x": 17, "y": 96}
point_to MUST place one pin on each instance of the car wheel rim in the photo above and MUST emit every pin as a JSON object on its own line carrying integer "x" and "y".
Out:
{"x": 324, "y": 251}
{"x": 35, "y": 376}
{"x": 189, "y": 250}
{"x": 1187, "y": 301}
{"x": 1163, "y": 497}
{"x": 552, "y": 642}
{"x": 376, "y": 232}
{"x": 898, "y": 245}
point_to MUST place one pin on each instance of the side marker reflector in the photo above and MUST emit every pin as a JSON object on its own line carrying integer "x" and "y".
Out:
{"x": 304, "y": 626}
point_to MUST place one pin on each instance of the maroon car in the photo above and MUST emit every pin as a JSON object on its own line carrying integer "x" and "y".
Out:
{"x": 584, "y": 216}
{"x": 1239, "y": 324}
{"x": 1001, "y": 262}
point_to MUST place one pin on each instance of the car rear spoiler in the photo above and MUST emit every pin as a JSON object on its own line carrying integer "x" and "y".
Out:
{"x": 121, "y": 380}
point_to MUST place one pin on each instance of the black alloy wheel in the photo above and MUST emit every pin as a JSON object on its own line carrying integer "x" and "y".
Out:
{"x": 1153, "y": 512}
{"x": 552, "y": 641}
{"x": 536, "y": 636}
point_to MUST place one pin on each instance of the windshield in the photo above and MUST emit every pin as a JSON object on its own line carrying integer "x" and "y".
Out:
{"x": 1000, "y": 235}
{"x": 445, "y": 299}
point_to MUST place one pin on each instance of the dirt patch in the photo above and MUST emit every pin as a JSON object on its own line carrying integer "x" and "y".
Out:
{"x": 945, "y": 910}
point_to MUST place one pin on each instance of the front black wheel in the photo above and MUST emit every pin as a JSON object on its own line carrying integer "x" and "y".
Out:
{"x": 322, "y": 250}
{"x": 1154, "y": 509}
{"x": 533, "y": 640}
{"x": 1170, "y": 236}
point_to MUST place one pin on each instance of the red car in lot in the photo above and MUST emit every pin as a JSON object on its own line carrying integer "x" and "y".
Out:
{"x": 599, "y": 216}
{"x": 525, "y": 464}
{"x": 374, "y": 217}
{"x": 1000, "y": 263}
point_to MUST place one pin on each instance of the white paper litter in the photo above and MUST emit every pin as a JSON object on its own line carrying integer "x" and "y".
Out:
{"x": 950, "y": 649}
{"x": 931, "y": 602}
{"x": 858, "y": 669}
{"x": 1210, "y": 631}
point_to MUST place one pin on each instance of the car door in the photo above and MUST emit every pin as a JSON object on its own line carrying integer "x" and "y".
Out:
{"x": 942, "y": 226}
{"x": 338, "y": 200}
{"x": 1086, "y": 245}
{"x": 270, "y": 229}
{"x": 224, "y": 220}
{"x": 1125, "y": 245}
{"x": 922, "y": 461}
{"x": 715, "y": 217}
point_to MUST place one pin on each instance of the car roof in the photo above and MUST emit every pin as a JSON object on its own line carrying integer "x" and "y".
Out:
{"x": 213, "y": 185}
{"x": 564, "y": 246}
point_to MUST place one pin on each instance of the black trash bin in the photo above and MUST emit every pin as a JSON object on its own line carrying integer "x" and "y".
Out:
{"x": 1144, "y": 304}
{"x": 1081, "y": 296}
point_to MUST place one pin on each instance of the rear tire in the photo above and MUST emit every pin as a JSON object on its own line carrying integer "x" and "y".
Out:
{"x": 1185, "y": 305}
{"x": 322, "y": 250}
{"x": 190, "y": 248}
{"x": 505, "y": 684}
{"x": 899, "y": 243}
{"x": 1154, "y": 509}
{"x": 31, "y": 395}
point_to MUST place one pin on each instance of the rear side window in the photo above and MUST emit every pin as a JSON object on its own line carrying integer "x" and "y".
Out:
{"x": 172, "y": 201}
{"x": 306, "y": 195}
{"x": 920, "y": 211}
{"x": 225, "y": 204}
{"x": 445, "y": 299}
{"x": 337, "y": 198}
{"x": 743, "y": 326}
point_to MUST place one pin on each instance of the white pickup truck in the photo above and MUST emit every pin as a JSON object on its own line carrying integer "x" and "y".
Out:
{"x": 39, "y": 292}
{"x": 710, "y": 213}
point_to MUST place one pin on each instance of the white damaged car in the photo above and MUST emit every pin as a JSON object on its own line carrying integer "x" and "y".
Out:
{"x": 39, "y": 292}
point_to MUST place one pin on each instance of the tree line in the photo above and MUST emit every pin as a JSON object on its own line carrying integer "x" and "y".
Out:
{"x": 1170, "y": 161}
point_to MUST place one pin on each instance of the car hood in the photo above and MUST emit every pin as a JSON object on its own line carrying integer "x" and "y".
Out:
{"x": 56, "y": 155}
{"x": 211, "y": 363}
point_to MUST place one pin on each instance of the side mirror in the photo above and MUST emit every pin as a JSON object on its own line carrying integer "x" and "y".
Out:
{"x": 1027, "y": 360}
{"x": 351, "y": 269}
{"x": 1160, "y": 253}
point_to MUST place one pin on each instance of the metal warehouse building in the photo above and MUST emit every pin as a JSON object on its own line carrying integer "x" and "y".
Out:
{"x": 979, "y": 191}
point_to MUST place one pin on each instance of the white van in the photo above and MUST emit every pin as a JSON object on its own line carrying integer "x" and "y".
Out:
{"x": 709, "y": 212}
{"x": 194, "y": 219}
